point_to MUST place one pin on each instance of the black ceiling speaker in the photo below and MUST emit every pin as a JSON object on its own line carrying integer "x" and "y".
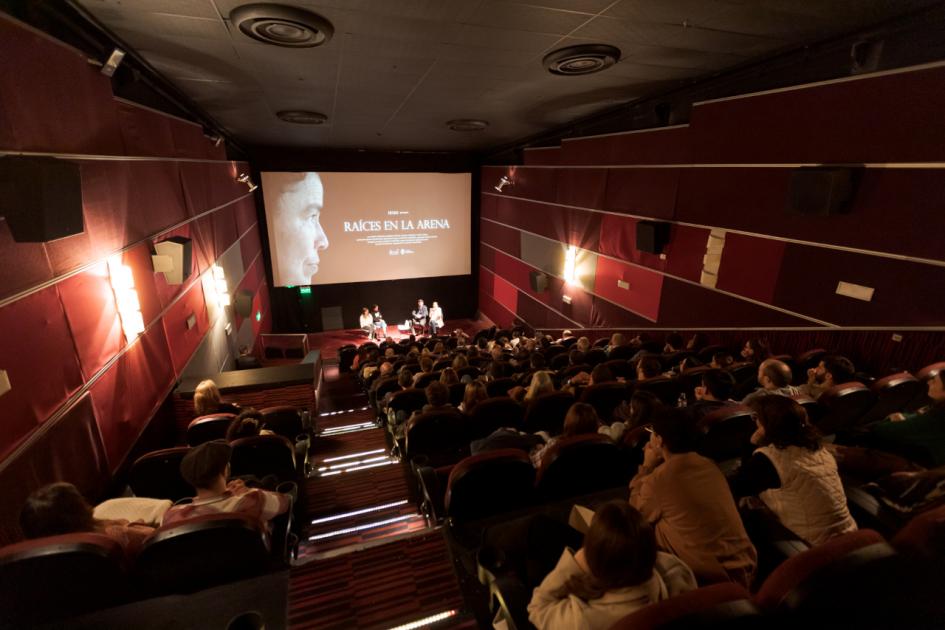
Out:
{"x": 41, "y": 198}
{"x": 652, "y": 236}
{"x": 538, "y": 281}
{"x": 823, "y": 190}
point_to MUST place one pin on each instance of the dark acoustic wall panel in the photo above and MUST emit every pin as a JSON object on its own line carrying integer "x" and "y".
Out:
{"x": 651, "y": 146}
{"x": 542, "y": 156}
{"x": 89, "y": 306}
{"x": 891, "y": 118}
{"x": 145, "y": 132}
{"x": 584, "y": 187}
{"x": 121, "y": 415}
{"x": 688, "y": 305}
{"x": 618, "y": 239}
{"x": 52, "y": 99}
{"x": 500, "y": 237}
{"x": 608, "y": 314}
{"x": 750, "y": 266}
{"x": 685, "y": 251}
{"x": 38, "y": 354}
{"x": 568, "y": 225}
{"x": 70, "y": 450}
{"x": 650, "y": 192}
{"x": 906, "y": 291}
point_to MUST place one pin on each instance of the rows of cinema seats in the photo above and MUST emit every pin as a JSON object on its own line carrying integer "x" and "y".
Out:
{"x": 467, "y": 493}
{"x": 61, "y": 577}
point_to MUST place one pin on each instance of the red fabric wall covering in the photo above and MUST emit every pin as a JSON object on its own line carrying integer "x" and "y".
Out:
{"x": 51, "y": 98}
{"x": 567, "y": 225}
{"x": 904, "y": 201}
{"x": 250, "y": 247}
{"x": 145, "y": 132}
{"x": 89, "y": 306}
{"x": 245, "y": 212}
{"x": 652, "y": 146}
{"x": 650, "y": 192}
{"x": 506, "y": 293}
{"x": 183, "y": 341}
{"x": 891, "y": 118}
{"x": 40, "y": 360}
{"x": 129, "y": 393}
{"x": 146, "y": 281}
{"x": 750, "y": 266}
{"x": 687, "y": 305}
{"x": 581, "y": 187}
{"x": 494, "y": 311}
{"x": 542, "y": 156}
{"x": 224, "y": 229}
{"x": 643, "y": 296}
{"x": 72, "y": 449}
{"x": 22, "y": 265}
{"x": 907, "y": 294}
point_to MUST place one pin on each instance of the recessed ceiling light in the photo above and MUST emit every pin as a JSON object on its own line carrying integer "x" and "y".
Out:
{"x": 302, "y": 117}
{"x": 279, "y": 25}
{"x": 583, "y": 59}
{"x": 467, "y": 124}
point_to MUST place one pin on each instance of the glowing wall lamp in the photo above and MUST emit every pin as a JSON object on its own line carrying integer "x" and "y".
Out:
{"x": 219, "y": 281}
{"x": 126, "y": 298}
{"x": 570, "y": 270}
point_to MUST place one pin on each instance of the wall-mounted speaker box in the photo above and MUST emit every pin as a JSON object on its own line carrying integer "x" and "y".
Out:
{"x": 41, "y": 198}
{"x": 538, "y": 281}
{"x": 243, "y": 302}
{"x": 173, "y": 258}
{"x": 822, "y": 190}
{"x": 652, "y": 236}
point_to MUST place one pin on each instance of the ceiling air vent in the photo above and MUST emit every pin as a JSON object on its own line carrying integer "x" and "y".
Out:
{"x": 280, "y": 25}
{"x": 467, "y": 124}
{"x": 302, "y": 117}
{"x": 583, "y": 59}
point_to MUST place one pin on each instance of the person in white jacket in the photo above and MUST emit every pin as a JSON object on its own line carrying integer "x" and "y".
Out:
{"x": 616, "y": 572}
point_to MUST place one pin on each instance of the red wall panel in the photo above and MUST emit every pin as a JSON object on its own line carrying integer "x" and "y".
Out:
{"x": 245, "y": 213}
{"x": 22, "y": 265}
{"x": 750, "y": 266}
{"x": 606, "y": 314}
{"x": 183, "y": 341}
{"x": 52, "y": 99}
{"x": 89, "y": 305}
{"x": 145, "y": 133}
{"x": 196, "y": 190}
{"x": 542, "y": 156}
{"x": 582, "y": 187}
{"x": 650, "y": 146}
{"x": 540, "y": 184}
{"x": 650, "y": 192}
{"x": 506, "y": 294}
{"x": 687, "y": 305}
{"x": 892, "y": 118}
{"x": 122, "y": 405}
{"x": 685, "y": 251}
{"x": 224, "y": 229}
{"x": 618, "y": 238}
{"x": 40, "y": 360}
{"x": 495, "y": 311}
{"x": 189, "y": 142}
{"x": 642, "y": 297}
{"x": 250, "y": 248}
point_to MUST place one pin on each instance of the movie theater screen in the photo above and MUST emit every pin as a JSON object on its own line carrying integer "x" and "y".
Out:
{"x": 329, "y": 228}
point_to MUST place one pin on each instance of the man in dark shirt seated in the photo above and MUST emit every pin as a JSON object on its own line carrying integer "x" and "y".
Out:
{"x": 714, "y": 393}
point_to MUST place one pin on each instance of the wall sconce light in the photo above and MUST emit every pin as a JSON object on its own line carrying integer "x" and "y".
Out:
{"x": 112, "y": 63}
{"x": 566, "y": 299}
{"x": 126, "y": 298}
{"x": 503, "y": 182}
{"x": 570, "y": 260}
{"x": 219, "y": 281}
{"x": 243, "y": 178}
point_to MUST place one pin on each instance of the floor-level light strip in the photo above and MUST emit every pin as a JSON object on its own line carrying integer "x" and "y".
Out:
{"x": 376, "y": 508}
{"x": 348, "y": 428}
{"x": 358, "y": 528}
{"x": 328, "y": 473}
{"x": 426, "y": 621}
{"x": 353, "y": 455}
{"x": 356, "y": 462}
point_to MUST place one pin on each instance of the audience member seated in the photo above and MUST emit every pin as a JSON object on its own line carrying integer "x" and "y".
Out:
{"x": 636, "y": 413}
{"x": 206, "y": 468}
{"x": 697, "y": 342}
{"x": 404, "y": 381}
{"x": 774, "y": 376}
{"x": 438, "y": 398}
{"x": 459, "y": 362}
{"x": 674, "y": 343}
{"x": 581, "y": 419}
{"x": 207, "y": 400}
{"x": 687, "y": 499}
{"x": 474, "y": 394}
{"x": 60, "y": 508}
{"x": 722, "y": 360}
{"x": 831, "y": 371}
{"x": 649, "y": 366}
{"x": 426, "y": 367}
{"x": 600, "y": 374}
{"x": 715, "y": 391}
{"x": 756, "y": 351}
{"x": 616, "y": 340}
{"x": 583, "y": 345}
{"x": 248, "y": 424}
{"x": 449, "y": 376}
{"x": 793, "y": 475}
{"x": 618, "y": 570}
{"x": 541, "y": 383}
{"x": 919, "y": 436}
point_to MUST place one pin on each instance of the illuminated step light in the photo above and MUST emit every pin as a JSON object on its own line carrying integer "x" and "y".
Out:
{"x": 328, "y": 473}
{"x": 353, "y": 455}
{"x": 361, "y": 528}
{"x": 426, "y": 621}
{"x": 357, "y": 462}
{"x": 376, "y": 508}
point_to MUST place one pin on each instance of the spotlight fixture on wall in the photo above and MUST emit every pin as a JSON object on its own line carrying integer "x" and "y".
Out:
{"x": 243, "y": 178}
{"x": 126, "y": 297}
{"x": 503, "y": 182}
{"x": 111, "y": 64}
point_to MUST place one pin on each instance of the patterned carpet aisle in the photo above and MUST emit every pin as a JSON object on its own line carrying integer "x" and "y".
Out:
{"x": 368, "y": 558}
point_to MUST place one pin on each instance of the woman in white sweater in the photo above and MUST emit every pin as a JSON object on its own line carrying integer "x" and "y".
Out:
{"x": 616, "y": 572}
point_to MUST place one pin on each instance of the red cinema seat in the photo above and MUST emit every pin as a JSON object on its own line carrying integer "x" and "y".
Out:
{"x": 439, "y": 436}
{"x": 264, "y": 455}
{"x": 580, "y": 465}
{"x": 547, "y": 411}
{"x": 489, "y": 483}
{"x": 714, "y": 606}
{"x": 157, "y": 475}
{"x": 726, "y": 432}
{"x": 500, "y": 386}
{"x": 666, "y": 389}
{"x": 494, "y": 413}
{"x": 605, "y": 398}
{"x": 284, "y": 420}
{"x": 844, "y": 407}
{"x": 208, "y": 428}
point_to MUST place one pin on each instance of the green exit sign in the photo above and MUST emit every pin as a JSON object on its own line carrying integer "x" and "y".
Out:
{"x": 305, "y": 290}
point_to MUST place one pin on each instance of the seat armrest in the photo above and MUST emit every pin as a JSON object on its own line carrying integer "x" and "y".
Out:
{"x": 509, "y": 600}
{"x": 432, "y": 490}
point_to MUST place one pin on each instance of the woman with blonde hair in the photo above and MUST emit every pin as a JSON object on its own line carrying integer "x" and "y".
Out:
{"x": 541, "y": 384}
{"x": 207, "y": 400}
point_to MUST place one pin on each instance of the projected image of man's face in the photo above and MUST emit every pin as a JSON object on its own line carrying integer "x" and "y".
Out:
{"x": 299, "y": 232}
